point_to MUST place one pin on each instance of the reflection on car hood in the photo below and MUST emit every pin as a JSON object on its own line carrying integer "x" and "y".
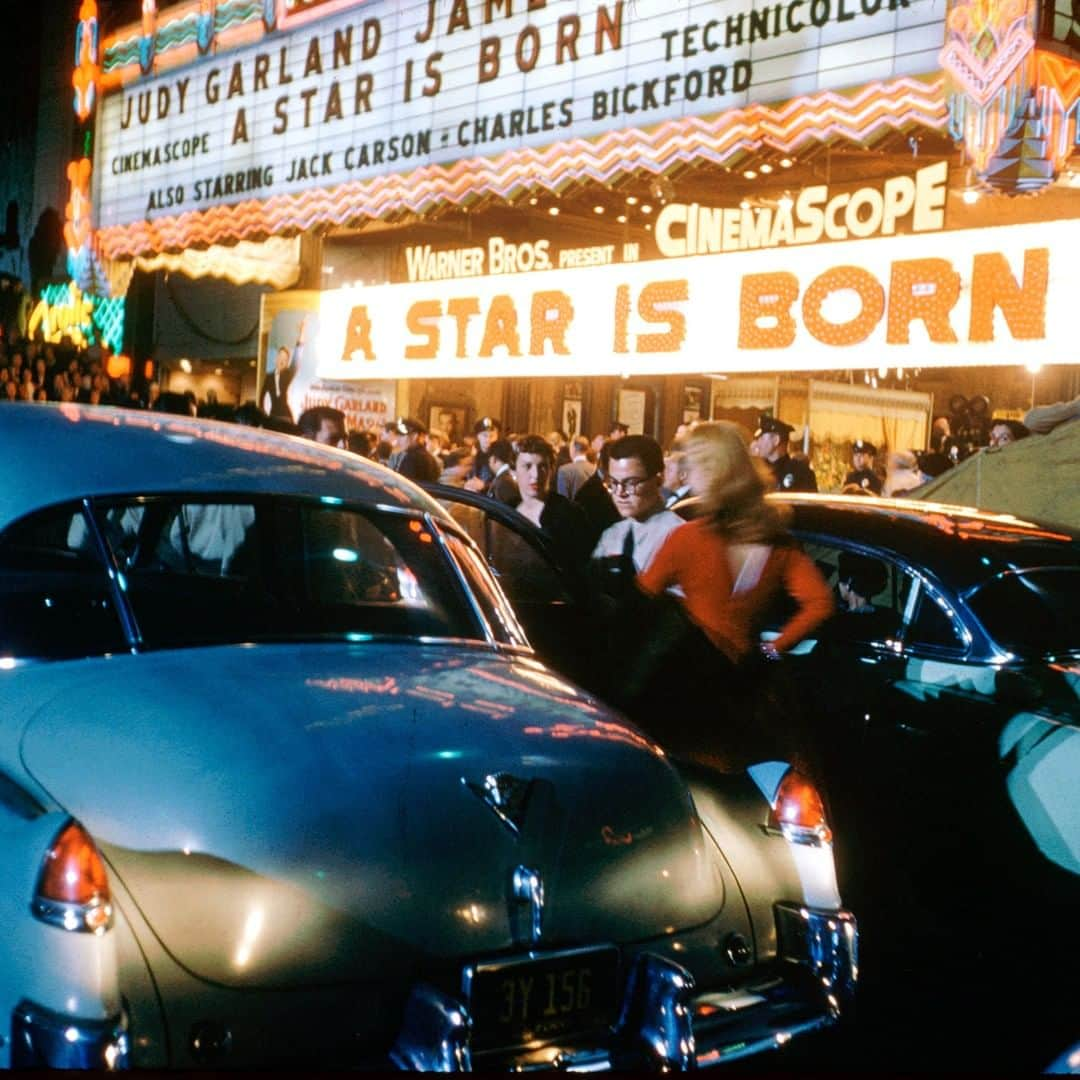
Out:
{"x": 296, "y": 814}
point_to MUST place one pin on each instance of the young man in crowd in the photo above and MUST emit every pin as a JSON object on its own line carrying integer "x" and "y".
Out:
{"x": 634, "y": 473}
{"x": 503, "y": 486}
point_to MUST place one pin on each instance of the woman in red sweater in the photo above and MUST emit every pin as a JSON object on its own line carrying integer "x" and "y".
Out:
{"x": 731, "y": 564}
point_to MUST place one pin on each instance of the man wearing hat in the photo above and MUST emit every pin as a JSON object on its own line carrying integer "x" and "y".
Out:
{"x": 413, "y": 460}
{"x": 487, "y": 429}
{"x": 770, "y": 443}
{"x": 862, "y": 467}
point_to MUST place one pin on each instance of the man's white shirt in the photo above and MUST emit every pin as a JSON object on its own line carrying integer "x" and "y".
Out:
{"x": 649, "y": 537}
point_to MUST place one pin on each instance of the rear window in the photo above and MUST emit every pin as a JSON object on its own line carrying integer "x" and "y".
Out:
{"x": 201, "y": 571}
{"x": 1032, "y": 612}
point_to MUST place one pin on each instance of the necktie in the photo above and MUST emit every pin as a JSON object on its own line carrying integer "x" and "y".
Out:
{"x": 628, "y": 545}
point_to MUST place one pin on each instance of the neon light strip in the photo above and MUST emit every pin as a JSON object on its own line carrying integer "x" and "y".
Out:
{"x": 726, "y": 138}
{"x": 121, "y": 63}
{"x": 981, "y": 128}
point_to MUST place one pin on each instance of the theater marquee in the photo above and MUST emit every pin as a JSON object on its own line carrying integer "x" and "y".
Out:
{"x": 344, "y": 92}
{"x": 965, "y": 297}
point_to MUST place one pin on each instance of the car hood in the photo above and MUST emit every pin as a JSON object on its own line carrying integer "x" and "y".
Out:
{"x": 285, "y": 815}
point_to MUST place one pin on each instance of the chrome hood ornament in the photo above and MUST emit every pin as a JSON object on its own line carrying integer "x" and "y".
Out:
{"x": 505, "y": 795}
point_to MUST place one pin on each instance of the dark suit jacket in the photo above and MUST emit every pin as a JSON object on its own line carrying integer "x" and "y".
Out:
{"x": 279, "y": 400}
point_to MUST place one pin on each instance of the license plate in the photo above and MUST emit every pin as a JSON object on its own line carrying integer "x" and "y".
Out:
{"x": 518, "y": 1002}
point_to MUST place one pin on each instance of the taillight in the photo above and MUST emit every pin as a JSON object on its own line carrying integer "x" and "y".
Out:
{"x": 73, "y": 886}
{"x": 799, "y": 812}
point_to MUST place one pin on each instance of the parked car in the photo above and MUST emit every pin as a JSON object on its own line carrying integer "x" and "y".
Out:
{"x": 946, "y": 718}
{"x": 283, "y": 782}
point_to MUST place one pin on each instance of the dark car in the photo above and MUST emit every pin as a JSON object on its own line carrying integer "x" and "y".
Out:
{"x": 946, "y": 717}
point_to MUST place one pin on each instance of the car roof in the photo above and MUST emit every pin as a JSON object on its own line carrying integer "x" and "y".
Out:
{"x": 54, "y": 453}
{"x": 960, "y": 545}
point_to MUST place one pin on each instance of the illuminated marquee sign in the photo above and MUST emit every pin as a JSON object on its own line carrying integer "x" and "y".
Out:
{"x": 814, "y": 215}
{"x": 385, "y": 87}
{"x": 985, "y": 297}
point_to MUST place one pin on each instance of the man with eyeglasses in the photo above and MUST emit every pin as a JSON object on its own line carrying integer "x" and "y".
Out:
{"x": 634, "y": 477}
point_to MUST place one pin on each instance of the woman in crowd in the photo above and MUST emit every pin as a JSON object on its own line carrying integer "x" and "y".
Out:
{"x": 562, "y": 520}
{"x": 731, "y": 565}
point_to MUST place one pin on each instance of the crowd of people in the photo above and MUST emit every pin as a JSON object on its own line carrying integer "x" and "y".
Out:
{"x": 683, "y": 551}
{"x": 671, "y": 591}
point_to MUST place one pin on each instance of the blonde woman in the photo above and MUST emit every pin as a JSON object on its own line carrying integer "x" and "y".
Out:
{"x": 731, "y": 563}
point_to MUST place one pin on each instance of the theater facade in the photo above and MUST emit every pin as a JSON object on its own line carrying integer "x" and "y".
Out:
{"x": 564, "y": 212}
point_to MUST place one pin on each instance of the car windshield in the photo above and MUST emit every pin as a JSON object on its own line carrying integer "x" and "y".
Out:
{"x": 200, "y": 571}
{"x": 1032, "y": 612}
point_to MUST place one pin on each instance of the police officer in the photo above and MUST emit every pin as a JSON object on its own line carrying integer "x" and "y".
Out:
{"x": 770, "y": 443}
{"x": 862, "y": 467}
{"x": 413, "y": 460}
{"x": 487, "y": 430}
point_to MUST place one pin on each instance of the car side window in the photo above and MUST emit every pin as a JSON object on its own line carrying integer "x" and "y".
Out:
{"x": 500, "y": 616}
{"x": 203, "y": 571}
{"x": 932, "y": 627}
{"x": 877, "y": 610}
{"x": 56, "y": 600}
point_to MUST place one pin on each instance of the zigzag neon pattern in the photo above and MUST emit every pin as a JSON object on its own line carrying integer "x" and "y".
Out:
{"x": 178, "y": 31}
{"x": 862, "y": 118}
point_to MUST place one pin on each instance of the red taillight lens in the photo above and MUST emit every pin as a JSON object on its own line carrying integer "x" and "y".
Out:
{"x": 73, "y": 871}
{"x": 798, "y": 807}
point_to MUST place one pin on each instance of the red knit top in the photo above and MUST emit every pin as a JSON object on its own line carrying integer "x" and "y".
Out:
{"x": 696, "y": 557}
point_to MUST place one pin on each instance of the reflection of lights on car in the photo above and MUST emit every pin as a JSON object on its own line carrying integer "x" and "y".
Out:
{"x": 345, "y": 555}
{"x": 473, "y": 914}
{"x": 592, "y": 730}
{"x": 408, "y": 586}
{"x": 387, "y": 685}
{"x": 252, "y": 928}
{"x": 516, "y": 684}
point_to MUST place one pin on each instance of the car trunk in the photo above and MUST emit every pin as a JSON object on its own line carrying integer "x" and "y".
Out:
{"x": 302, "y": 814}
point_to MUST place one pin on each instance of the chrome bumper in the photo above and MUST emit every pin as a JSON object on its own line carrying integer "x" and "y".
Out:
{"x": 43, "y": 1039}
{"x": 665, "y": 1023}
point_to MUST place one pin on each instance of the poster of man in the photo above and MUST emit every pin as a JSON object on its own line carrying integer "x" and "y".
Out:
{"x": 289, "y": 333}
{"x": 288, "y": 352}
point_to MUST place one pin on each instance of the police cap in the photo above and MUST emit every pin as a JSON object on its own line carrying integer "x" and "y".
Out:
{"x": 861, "y": 446}
{"x": 769, "y": 425}
{"x": 406, "y": 425}
{"x": 486, "y": 423}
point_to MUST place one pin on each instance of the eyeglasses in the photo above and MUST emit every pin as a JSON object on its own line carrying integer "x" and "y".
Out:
{"x": 630, "y": 486}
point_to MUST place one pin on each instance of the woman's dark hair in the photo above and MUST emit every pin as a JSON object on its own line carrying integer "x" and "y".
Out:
{"x": 537, "y": 444}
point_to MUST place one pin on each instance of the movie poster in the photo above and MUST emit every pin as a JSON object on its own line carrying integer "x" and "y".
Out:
{"x": 288, "y": 362}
